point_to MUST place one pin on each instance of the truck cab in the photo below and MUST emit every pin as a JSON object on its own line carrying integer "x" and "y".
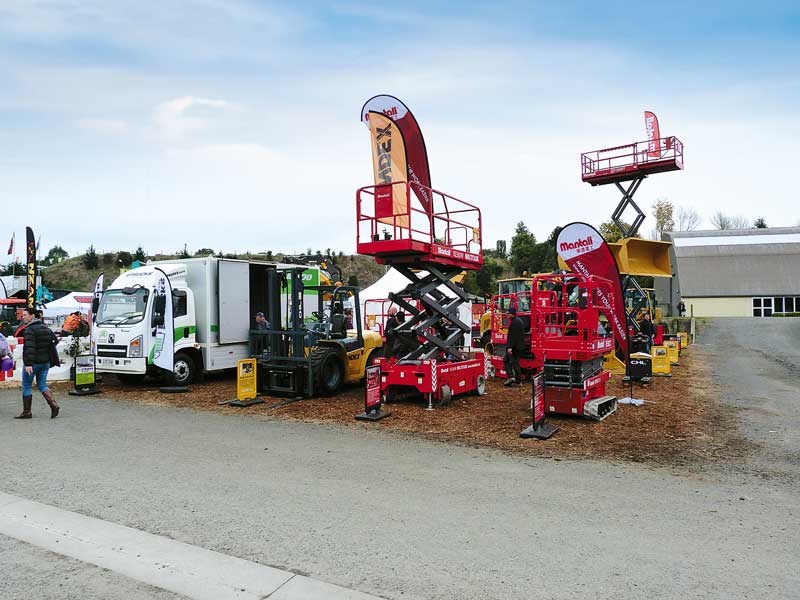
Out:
{"x": 124, "y": 331}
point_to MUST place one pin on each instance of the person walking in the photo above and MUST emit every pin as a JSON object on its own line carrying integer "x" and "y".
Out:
{"x": 36, "y": 353}
{"x": 681, "y": 308}
{"x": 515, "y": 343}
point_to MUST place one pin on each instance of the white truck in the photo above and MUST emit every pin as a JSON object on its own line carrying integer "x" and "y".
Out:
{"x": 214, "y": 301}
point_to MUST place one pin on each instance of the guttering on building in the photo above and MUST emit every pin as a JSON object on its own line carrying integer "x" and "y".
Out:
{"x": 733, "y": 273}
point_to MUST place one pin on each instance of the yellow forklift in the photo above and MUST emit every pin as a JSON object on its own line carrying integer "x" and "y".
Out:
{"x": 314, "y": 355}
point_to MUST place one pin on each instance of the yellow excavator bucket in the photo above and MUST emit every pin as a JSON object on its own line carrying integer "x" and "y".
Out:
{"x": 642, "y": 257}
{"x": 635, "y": 256}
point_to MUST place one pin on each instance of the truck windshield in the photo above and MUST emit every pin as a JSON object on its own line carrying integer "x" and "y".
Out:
{"x": 117, "y": 307}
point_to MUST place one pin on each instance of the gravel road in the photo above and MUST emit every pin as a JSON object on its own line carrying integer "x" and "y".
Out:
{"x": 409, "y": 519}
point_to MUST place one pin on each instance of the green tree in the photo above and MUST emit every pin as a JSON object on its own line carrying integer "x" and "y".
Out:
{"x": 610, "y": 231}
{"x": 662, "y": 212}
{"x": 55, "y": 255}
{"x": 108, "y": 258}
{"x": 204, "y": 252}
{"x": 269, "y": 255}
{"x": 353, "y": 280}
{"x": 501, "y": 249}
{"x": 549, "y": 257}
{"x": 140, "y": 255}
{"x": 90, "y": 260}
{"x": 183, "y": 253}
{"x": 14, "y": 268}
{"x": 124, "y": 258}
{"x": 524, "y": 252}
{"x": 760, "y": 223}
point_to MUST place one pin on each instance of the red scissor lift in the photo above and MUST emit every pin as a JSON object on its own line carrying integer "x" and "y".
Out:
{"x": 428, "y": 245}
{"x": 567, "y": 340}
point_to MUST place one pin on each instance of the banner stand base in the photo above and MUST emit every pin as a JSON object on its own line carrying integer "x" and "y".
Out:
{"x": 375, "y": 415}
{"x": 544, "y": 431}
{"x": 173, "y": 389}
{"x": 83, "y": 392}
{"x": 245, "y": 403}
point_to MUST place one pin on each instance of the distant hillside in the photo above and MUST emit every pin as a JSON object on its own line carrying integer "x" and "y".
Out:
{"x": 71, "y": 274}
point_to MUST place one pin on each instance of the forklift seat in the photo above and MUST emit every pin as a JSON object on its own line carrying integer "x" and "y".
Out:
{"x": 338, "y": 330}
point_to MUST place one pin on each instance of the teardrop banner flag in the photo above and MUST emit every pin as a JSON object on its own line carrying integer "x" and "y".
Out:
{"x": 98, "y": 293}
{"x": 587, "y": 254}
{"x": 30, "y": 245}
{"x": 389, "y": 167}
{"x": 419, "y": 173}
{"x": 163, "y": 348}
{"x": 653, "y": 134}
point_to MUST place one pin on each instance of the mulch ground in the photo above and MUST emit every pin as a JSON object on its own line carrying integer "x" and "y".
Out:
{"x": 681, "y": 423}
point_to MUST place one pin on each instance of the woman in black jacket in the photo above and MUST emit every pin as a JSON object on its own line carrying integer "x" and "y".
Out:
{"x": 39, "y": 340}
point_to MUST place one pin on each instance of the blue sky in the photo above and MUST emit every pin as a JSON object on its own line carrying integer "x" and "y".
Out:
{"x": 234, "y": 125}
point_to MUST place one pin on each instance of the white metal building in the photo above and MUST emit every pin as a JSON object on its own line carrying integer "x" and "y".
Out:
{"x": 734, "y": 273}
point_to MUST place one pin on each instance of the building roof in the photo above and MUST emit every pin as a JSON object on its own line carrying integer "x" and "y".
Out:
{"x": 747, "y": 262}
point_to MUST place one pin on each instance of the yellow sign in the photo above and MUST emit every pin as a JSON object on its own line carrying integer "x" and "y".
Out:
{"x": 246, "y": 379}
{"x": 672, "y": 350}
{"x": 661, "y": 364}
{"x": 684, "y": 339}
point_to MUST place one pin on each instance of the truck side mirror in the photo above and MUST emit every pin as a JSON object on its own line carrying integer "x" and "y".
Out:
{"x": 95, "y": 306}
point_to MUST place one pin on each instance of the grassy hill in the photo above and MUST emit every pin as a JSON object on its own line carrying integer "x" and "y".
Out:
{"x": 71, "y": 274}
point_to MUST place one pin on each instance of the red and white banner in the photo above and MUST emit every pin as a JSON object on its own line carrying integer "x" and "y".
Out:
{"x": 419, "y": 174}
{"x": 653, "y": 134}
{"x": 587, "y": 254}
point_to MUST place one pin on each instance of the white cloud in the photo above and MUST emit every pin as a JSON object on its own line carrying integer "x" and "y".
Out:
{"x": 107, "y": 126}
{"x": 179, "y": 117}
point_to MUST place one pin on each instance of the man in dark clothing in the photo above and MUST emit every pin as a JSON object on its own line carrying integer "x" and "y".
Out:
{"x": 647, "y": 329}
{"x": 681, "y": 308}
{"x": 515, "y": 343}
{"x": 388, "y": 331}
{"x": 39, "y": 340}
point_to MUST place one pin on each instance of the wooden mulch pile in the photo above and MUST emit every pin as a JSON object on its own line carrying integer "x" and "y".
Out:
{"x": 681, "y": 423}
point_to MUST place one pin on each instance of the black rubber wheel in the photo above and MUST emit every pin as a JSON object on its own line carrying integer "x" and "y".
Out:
{"x": 185, "y": 369}
{"x": 328, "y": 371}
{"x": 446, "y": 396}
{"x": 486, "y": 343}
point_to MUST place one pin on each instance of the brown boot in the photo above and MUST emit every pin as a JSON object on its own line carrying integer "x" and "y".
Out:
{"x": 27, "y": 401}
{"x": 51, "y": 402}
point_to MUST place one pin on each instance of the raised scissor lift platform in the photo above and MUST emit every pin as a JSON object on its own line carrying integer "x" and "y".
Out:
{"x": 429, "y": 245}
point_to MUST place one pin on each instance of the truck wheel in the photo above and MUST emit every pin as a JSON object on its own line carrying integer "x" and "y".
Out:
{"x": 486, "y": 343}
{"x": 185, "y": 369}
{"x": 328, "y": 371}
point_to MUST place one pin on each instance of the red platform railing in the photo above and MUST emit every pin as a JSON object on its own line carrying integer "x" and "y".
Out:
{"x": 391, "y": 220}
{"x": 632, "y": 160}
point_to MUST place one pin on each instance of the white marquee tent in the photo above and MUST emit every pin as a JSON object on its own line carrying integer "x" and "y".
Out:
{"x": 73, "y": 301}
{"x": 394, "y": 281}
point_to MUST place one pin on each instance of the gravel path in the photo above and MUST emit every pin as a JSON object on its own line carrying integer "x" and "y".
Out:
{"x": 758, "y": 363}
{"x": 399, "y": 517}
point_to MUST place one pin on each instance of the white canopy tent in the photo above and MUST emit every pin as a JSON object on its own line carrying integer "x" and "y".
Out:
{"x": 394, "y": 281}
{"x": 73, "y": 301}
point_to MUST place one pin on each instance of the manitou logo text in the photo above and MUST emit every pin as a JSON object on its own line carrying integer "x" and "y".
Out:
{"x": 582, "y": 243}
{"x": 384, "y": 153}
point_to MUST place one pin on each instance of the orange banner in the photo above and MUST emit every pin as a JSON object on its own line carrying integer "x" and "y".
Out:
{"x": 389, "y": 166}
